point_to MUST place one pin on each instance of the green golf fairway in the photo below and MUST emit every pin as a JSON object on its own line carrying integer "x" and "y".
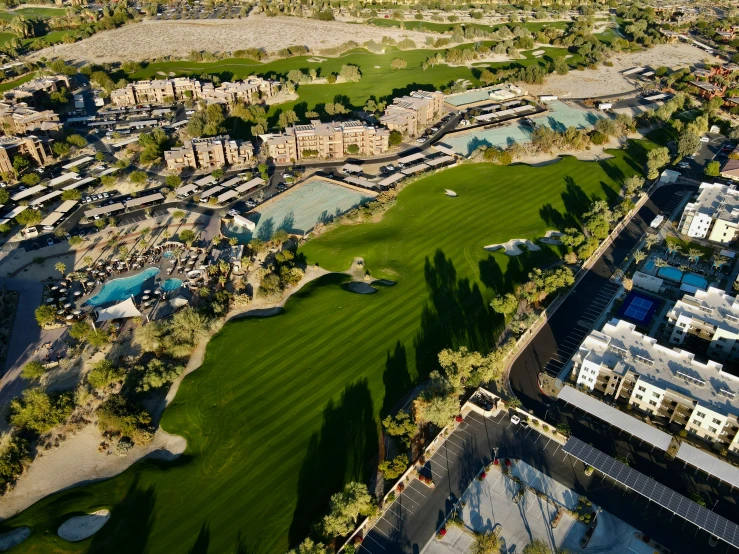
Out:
{"x": 285, "y": 409}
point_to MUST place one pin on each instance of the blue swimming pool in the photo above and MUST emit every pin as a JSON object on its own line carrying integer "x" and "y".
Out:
{"x": 168, "y": 254}
{"x": 171, "y": 284}
{"x": 695, "y": 281}
{"x": 649, "y": 266}
{"x": 120, "y": 289}
{"x": 671, "y": 273}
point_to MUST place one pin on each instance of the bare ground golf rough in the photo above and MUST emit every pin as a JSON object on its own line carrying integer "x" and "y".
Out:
{"x": 78, "y": 528}
{"x": 14, "y": 538}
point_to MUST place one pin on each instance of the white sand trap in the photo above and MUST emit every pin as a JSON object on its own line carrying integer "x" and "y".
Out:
{"x": 512, "y": 246}
{"x": 79, "y": 528}
{"x": 449, "y": 192}
{"x": 377, "y": 67}
{"x": 14, "y": 538}
{"x": 537, "y": 52}
{"x": 315, "y": 59}
{"x": 551, "y": 237}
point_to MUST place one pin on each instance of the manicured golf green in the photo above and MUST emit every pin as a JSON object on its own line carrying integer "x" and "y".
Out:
{"x": 285, "y": 409}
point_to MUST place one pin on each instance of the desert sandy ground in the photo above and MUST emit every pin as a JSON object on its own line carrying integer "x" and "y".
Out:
{"x": 154, "y": 39}
{"x": 608, "y": 80}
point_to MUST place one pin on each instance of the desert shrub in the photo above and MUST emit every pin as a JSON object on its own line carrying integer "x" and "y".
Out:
{"x": 119, "y": 416}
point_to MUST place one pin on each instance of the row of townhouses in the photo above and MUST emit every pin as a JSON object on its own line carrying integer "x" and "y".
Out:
{"x": 714, "y": 215}
{"x": 209, "y": 153}
{"x": 161, "y": 91}
{"x": 326, "y": 140}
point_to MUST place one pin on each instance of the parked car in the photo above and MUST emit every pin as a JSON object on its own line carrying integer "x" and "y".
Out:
{"x": 421, "y": 140}
{"x": 48, "y": 227}
{"x": 233, "y": 212}
{"x": 705, "y": 139}
{"x": 434, "y": 129}
{"x": 515, "y": 420}
{"x": 50, "y": 242}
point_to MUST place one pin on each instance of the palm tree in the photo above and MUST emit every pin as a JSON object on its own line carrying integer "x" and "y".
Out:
{"x": 651, "y": 240}
{"x": 61, "y": 267}
{"x": 673, "y": 248}
{"x": 87, "y": 260}
{"x": 659, "y": 262}
{"x": 222, "y": 281}
{"x": 224, "y": 266}
{"x": 639, "y": 257}
{"x": 694, "y": 255}
{"x": 178, "y": 252}
{"x": 718, "y": 262}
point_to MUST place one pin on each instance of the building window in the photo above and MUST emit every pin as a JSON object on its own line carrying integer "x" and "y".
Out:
{"x": 652, "y": 403}
{"x": 696, "y": 422}
{"x": 700, "y": 414}
{"x": 642, "y": 389}
{"x": 639, "y": 397}
{"x": 713, "y": 430}
{"x": 655, "y": 395}
{"x": 717, "y": 421}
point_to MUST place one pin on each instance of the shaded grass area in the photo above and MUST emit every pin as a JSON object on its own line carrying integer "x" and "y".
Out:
{"x": 285, "y": 409}
{"x": 686, "y": 245}
{"x": 17, "y": 82}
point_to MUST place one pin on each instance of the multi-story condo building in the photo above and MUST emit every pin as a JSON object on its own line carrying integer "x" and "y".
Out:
{"x": 670, "y": 384}
{"x": 714, "y": 215}
{"x": 413, "y": 113}
{"x": 706, "y": 321}
{"x": 161, "y": 91}
{"x": 210, "y": 152}
{"x": 19, "y": 119}
{"x": 34, "y": 92}
{"x": 730, "y": 169}
{"x": 326, "y": 140}
{"x": 34, "y": 147}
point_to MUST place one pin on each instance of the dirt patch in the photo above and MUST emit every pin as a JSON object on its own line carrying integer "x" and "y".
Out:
{"x": 79, "y": 528}
{"x": 154, "y": 39}
{"x": 359, "y": 287}
{"x": 14, "y": 538}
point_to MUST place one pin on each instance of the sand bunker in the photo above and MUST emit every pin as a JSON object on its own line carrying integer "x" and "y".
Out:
{"x": 359, "y": 287}
{"x": 537, "y": 52}
{"x": 79, "y": 528}
{"x": 450, "y": 193}
{"x": 511, "y": 247}
{"x": 551, "y": 237}
{"x": 14, "y": 538}
{"x": 384, "y": 282}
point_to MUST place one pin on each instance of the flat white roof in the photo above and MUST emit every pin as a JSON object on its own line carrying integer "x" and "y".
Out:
{"x": 601, "y": 410}
{"x": 232, "y": 182}
{"x": 108, "y": 171}
{"x": 207, "y": 180}
{"x": 388, "y": 181}
{"x": 440, "y": 160}
{"x": 211, "y": 191}
{"x": 144, "y": 200}
{"x": 361, "y": 182}
{"x": 63, "y": 178}
{"x": 15, "y": 211}
{"x": 228, "y": 195}
{"x": 79, "y": 183}
{"x": 414, "y": 169}
{"x": 411, "y": 158}
{"x": 105, "y": 210}
{"x": 28, "y": 192}
{"x": 444, "y": 149}
{"x": 66, "y": 206}
{"x": 708, "y": 463}
{"x": 250, "y": 185}
{"x": 351, "y": 168}
{"x": 186, "y": 190}
{"x": 46, "y": 197}
{"x": 125, "y": 142}
{"x": 52, "y": 218}
{"x": 77, "y": 162}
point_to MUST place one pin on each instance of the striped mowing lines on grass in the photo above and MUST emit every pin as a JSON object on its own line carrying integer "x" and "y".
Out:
{"x": 285, "y": 409}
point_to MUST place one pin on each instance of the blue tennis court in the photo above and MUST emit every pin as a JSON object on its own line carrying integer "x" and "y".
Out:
{"x": 638, "y": 308}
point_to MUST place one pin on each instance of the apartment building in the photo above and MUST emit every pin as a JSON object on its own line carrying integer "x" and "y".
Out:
{"x": 411, "y": 114}
{"x": 326, "y": 140}
{"x": 730, "y": 169}
{"x": 714, "y": 215}
{"x": 706, "y": 321}
{"x": 19, "y": 119}
{"x": 161, "y": 91}
{"x": 32, "y": 146}
{"x": 670, "y": 384}
{"x": 35, "y": 91}
{"x": 209, "y": 153}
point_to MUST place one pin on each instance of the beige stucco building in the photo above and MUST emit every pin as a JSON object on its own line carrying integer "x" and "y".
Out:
{"x": 35, "y": 91}
{"x": 668, "y": 383}
{"x": 32, "y": 146}
{"x": 164, "y": 91}
{"x": 411, "y": 114}
{"x": 326, "y": 140}
{"x": 211, "y": 152}
{"x": 19, "y": 119}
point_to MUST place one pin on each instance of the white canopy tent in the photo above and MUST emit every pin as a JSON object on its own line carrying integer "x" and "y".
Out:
{"x": 122, "y": 310}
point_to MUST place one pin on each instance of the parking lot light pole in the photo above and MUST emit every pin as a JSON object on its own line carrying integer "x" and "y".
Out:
{"x": 495, "y": 454}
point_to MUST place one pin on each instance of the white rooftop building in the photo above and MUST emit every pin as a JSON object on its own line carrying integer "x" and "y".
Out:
{"x": 714, "y": 215}
{"x": 668, "y": 383}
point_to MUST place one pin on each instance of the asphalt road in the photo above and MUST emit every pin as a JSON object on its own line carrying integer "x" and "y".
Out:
{"x": 415, "y": 516}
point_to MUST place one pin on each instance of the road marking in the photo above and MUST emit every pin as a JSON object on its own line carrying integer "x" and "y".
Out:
{"x": 388, "y": 521}
{"x": 373, "y": 540}
{"x": 410, "y": 488}
{"x": 380, "y": 530}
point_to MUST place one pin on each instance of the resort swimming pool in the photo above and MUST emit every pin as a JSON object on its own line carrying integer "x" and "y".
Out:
{"x": 560, "y": 117}
{"x": 695, "y": 281}
{"x": 298, "y": 210}
{"x": 118, "y": 290}
{"x": 671, "y": 273}
{"x": 171, "y": 284}
{"x": 677, "y": 276}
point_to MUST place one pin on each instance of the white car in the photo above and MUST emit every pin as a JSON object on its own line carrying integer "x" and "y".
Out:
{"x": 515, "y": 420}
{"x": 421, "y": 140}
{"x": 233, "y": 212}
{"x": 705, "y": 139}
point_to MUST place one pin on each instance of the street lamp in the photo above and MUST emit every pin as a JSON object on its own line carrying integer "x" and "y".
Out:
{"x": 495, "y": 454}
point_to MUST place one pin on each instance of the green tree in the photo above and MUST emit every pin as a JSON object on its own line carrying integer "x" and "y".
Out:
{"x": 395, "y": 138}
{"x": 486, "y": 543}
{"x": 121, "y": 417}
{"x": 179, "y": 214}
{"x": 173, "y": 181}
{"x": 537, "y": 546}
{"x": 103, "y": 374}
{"x": 29, "y": 217}
{"x": 45, "y": 315}
{"x": 137, "y": 177}
{"x": 712, "y": 169}
{"x": 398, "y": 63}
{"x": 33, "y": 370}
{"x": 687, "y": 143}
{"x": 633, "y": 183}
{"x": 72, "y": 194}
{"x": 505, "y": 305}
{"x": 78, "y": 141}
{"x": 310, "y": 547}
{"x": 346, "y": 507}
{"x": 61, "y": 267}
{"x": 439, "y": 410}
{"x": 39, "y": 412}
{"x": 31, "y": 179}
{"x": 352, "y": 149}
{"x": 187, "y": 236}
{"x": 401, "y": 426}
{"x": 392, "y": 469}
{"x": 657, "y": 158}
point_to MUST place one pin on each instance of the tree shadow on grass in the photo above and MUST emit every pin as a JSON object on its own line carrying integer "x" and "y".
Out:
{"x": 455, "y": 315}
{"x": 396, "y": 378}
{"x": 340, "y": 452}
{"x": 203, "y": 541}
{"x": 130, "y": 523}
{"x": 575, "y": 200}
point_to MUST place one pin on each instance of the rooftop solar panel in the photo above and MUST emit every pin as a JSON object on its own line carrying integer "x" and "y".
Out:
{"x": 699, "y": 516}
